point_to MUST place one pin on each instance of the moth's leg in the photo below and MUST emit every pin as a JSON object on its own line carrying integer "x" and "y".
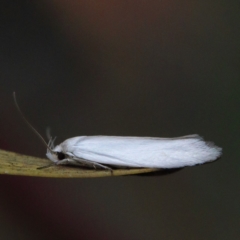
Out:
{"x": 95, "y": 165}
{"x": 46, "y": 166}
{"x": 82, "y": 162}
{"x": 66, "y": 161}
{"x": 91, "y": 164}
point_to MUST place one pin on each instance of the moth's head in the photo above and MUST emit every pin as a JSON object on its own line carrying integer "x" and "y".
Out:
{"x": 56, "y": 154}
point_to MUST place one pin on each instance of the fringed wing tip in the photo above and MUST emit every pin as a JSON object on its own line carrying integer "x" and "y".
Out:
{"x": 218, "y": 150}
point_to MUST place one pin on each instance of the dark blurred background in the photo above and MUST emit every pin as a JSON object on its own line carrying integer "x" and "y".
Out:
{"x": 128, "y": 68}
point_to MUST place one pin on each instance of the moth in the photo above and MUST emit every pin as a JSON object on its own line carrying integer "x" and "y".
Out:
{"x": 107, "y": 152}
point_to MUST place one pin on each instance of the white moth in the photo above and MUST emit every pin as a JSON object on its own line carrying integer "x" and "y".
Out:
{"x": 134, "y": 152}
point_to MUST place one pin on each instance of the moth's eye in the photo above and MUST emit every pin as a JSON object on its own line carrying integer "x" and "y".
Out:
{"x": 60, "y": 155}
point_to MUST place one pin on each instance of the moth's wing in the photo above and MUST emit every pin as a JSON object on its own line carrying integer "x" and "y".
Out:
{"x": 143, "y": 151}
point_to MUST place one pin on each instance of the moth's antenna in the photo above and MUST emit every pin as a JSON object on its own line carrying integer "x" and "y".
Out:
{"x": 29, "y": 124}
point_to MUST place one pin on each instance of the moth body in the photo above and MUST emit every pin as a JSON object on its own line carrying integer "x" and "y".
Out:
{"x": 134, "y": 152}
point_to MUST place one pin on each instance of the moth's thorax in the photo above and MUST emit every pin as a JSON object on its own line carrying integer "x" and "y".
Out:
{"x": 58, "y": 148}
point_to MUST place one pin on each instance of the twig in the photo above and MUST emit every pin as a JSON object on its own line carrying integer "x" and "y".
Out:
{"x": 16, "y": 164}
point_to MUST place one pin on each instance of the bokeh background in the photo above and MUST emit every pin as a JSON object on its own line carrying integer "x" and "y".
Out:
{"x": 139, "y": 68}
